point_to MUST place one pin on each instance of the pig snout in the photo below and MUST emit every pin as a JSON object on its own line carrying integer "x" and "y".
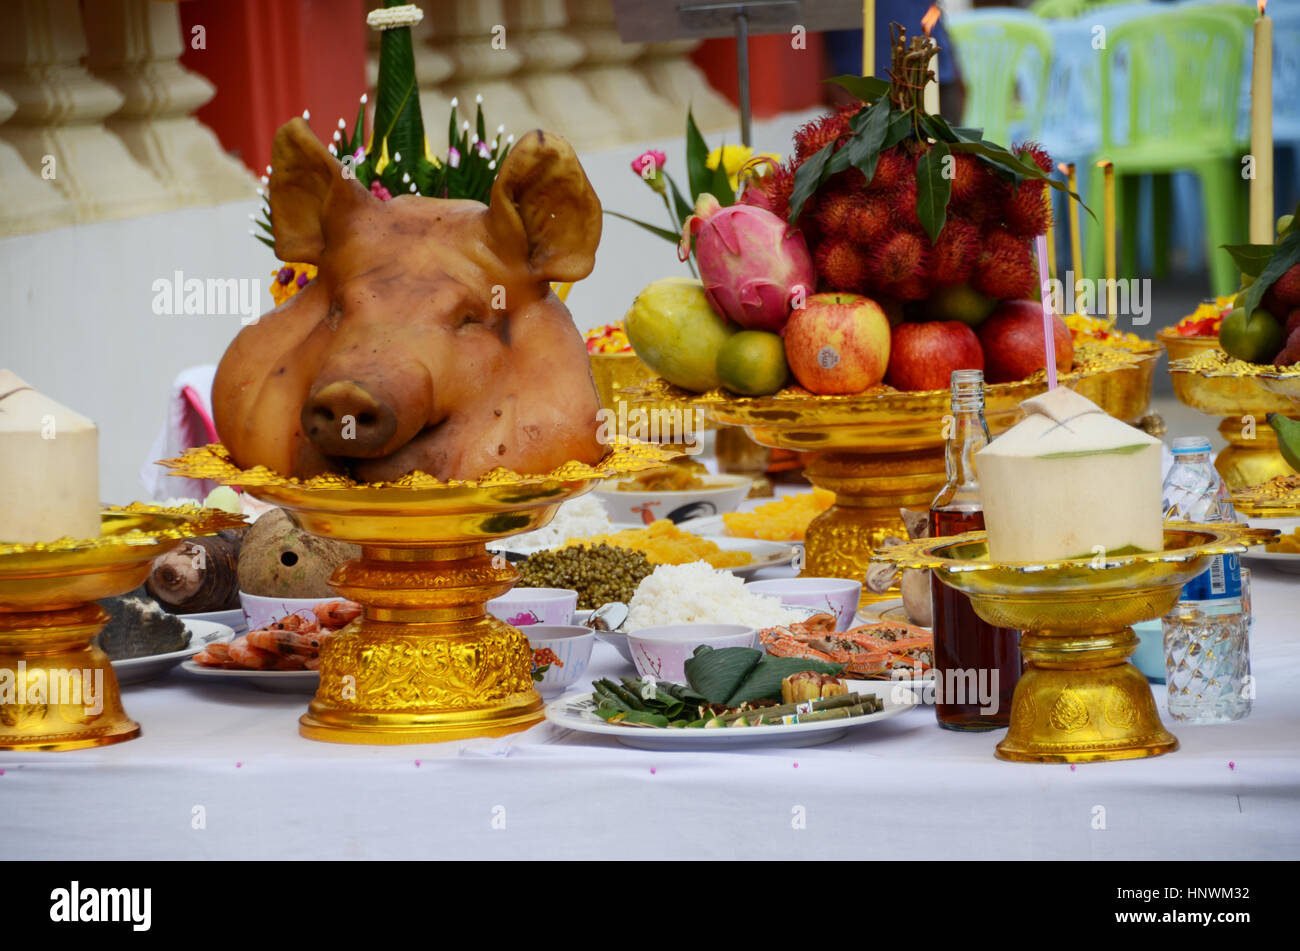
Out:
{"x": 344, "y": 419}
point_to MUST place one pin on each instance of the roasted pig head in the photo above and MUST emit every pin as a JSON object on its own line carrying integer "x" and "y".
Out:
{"x": 430, "y": 339}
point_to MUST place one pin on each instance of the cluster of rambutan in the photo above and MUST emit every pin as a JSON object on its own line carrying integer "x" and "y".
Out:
{"x": 866, "y": 238}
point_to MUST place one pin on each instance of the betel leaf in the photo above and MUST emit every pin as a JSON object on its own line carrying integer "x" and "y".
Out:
{"x": 806, "y": 179}
{"x": 1250, "y": 259}
{"x": 717, "y": 674}
{"x": 698, "y": 176}
{"x": 1286, "y": 254}
{"x": 764, "y": 681}
{"x": 933, "y": 185}
{"x": 863, "y": 150}
{"x": 866, "y": 88}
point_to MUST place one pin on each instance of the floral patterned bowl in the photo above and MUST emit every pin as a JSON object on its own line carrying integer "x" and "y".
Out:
{"x": 523, "y": 607}
{"x": 662, "y": 652}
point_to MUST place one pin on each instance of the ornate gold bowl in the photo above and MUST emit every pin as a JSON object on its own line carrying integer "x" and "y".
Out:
{"x": 878, "y": 452}
{"x": 424, "y": 661}
{"x": 1125, "y": 392}
{"x": 1079, "y": 699}
{"x": 1207, "y": 379}
{"x": 1279, "y": 497}
{"x": 48, "y": 617}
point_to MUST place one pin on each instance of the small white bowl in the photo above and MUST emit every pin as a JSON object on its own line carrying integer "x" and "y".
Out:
{"x": 260, "y": 612}
{"x": 571, "y": 646}
{"x": 662, "y": 652}
{"x": 837, "y": 596}
{"x": 722, "y": 493}
{"x": 524, "y": 607}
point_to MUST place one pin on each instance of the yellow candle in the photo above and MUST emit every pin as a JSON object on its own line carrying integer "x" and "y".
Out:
{"x": 1261, "y": 131}
{"x": 1051, "y": 233}
{"x": 1072, "y": 206}
{"x": 1108, "y": 228}
{"x": 868, "y": 37}
{"x": 930, "y": 95}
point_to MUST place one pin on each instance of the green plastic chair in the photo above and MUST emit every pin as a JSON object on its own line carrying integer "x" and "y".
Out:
{"x": 1069, "y": 9}
{"x": 1010, "y": 54}
{"x": 1183, "y": 69}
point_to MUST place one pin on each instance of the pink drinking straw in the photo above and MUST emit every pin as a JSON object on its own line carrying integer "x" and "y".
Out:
{"x": 1049, "y": 332}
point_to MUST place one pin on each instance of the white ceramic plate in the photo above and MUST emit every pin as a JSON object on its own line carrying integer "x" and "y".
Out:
{"x": 138, "y": 670}
{"x": 891, "y": 610}
{"x": 275, "y": 681}
{"x": 763, "y": 554}
{"x": 573, "y": 712}
{"x": 233, "y": 619}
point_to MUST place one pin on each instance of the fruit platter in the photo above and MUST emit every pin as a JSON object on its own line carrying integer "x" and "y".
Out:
{"x": 1245, "y": 365}
{"x": 840, "y": 289}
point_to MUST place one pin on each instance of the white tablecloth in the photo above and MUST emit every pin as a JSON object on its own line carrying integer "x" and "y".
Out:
{"x": 901, "y": 788}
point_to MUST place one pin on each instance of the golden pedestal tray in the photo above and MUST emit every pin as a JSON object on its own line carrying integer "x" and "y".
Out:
{"x": 1125, "y": 393}
{"x": 424, "y": 662}
{"x": 48, "y": 617}
{"x": 878, "y": 452}
{"x": 1207, "y": 379}
{"x": 1080, "y": 699}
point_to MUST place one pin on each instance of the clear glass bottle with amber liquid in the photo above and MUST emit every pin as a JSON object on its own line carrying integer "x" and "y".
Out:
{"x": 976, "y": 665}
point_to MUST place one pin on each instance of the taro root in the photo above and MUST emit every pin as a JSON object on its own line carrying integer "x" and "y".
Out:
{"x": 200, "y": 574}
{"x": 430, "y": 339}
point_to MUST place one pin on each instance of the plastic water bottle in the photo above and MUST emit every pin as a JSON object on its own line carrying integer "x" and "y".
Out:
{"x": 1207, "y": 650}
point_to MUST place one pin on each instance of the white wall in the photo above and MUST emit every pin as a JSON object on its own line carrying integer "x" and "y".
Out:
{"x": 77, "y": 322}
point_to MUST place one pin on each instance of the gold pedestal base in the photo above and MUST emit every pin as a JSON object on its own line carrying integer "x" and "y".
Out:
{"x": 1080, "y": 701}
{"x": 424, "y": 663}
{"x": 57, "y": 692}
{"x": 869, "y": 490}
{"x": 1249, "y": 459}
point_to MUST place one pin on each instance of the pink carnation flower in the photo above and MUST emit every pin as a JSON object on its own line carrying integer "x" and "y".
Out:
{"x": 650, "y": 157}
{"x": 379, "y": 191}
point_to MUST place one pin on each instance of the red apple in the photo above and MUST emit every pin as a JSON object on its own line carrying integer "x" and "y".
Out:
{"x": 837, "y": 343}
{"x": 924, "y": 355}
{"x": 1012, "y": 339}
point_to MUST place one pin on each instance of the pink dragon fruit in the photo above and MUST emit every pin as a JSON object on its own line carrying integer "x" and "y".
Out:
{"x": 751, "y": 262}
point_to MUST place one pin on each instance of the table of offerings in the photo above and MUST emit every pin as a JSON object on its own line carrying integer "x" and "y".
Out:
{"x": 221, "y": 772}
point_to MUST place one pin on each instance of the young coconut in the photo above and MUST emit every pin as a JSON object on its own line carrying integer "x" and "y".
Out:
{"x": 280, "y": 560}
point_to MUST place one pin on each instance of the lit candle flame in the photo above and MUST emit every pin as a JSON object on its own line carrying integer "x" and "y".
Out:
{"x": 1063, "y": 168}
{"x": 1261, "y": 4}
{"x": 932, "y": 17}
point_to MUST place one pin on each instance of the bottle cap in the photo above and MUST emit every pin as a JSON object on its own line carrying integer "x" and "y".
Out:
{"x": 1184, "y": 445}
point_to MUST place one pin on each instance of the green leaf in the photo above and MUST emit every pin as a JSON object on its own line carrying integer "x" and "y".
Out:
{"x": 684, "y": 208}
{"x": 933, "y": 187}
{"x": 900, "y": 127}
{"x": 764, "y": 680}
{"x": 720, "y": 186}
{"x": 964, "y": 134}
{"x": 806, "y": 179}
{"x": 866, "y": 88}
{"x": 397, "y": 106}
{"x": 863, "y": 150}
{"x": 698, "y": 176}
{"x": 938, "y": 129}
{"x": 1286, "y": 254}
{"x": 653, "y": 229}
{"x": 717, "y": 674}
{"x": 1250, "y": 259}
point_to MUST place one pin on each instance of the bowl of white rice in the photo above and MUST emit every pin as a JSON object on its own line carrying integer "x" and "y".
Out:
{"x": 698, "y": 593}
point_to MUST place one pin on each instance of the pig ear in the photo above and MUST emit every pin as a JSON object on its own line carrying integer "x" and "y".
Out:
{"x": 305, "y": 179}
{"x": 543, "y": 203}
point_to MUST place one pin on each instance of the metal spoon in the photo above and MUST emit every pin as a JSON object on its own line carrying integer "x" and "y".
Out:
{"x": 608, "y": 617}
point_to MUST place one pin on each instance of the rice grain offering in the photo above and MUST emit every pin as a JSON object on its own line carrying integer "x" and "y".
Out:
{"x": 697, "y": 593}
{"x": 577, "y": 518}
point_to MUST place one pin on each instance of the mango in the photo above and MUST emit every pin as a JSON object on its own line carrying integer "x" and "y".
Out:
{"x": 676, "y": 332}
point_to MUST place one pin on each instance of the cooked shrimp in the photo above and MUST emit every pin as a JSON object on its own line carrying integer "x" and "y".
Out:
{"x": 246, "y": 655}
{"x": 286, "y": 642}
{"x": 336, "y": 614}
{"x": 304, "y": 623}
{"x": 214, "y": 655}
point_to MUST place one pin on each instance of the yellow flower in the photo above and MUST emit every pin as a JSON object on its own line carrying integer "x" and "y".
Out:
{"x": 734, "y": 160}
{"x": 289, "y": 280}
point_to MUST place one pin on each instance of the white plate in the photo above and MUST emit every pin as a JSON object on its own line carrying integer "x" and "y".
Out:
{"x": 764, "y": 554}
{"x": 891, "y": 610}
{"x": 275, "y": 681}
{"x": 233, "y": 619}
{"x": 137, "y": 670}
{"x": 573, "y": 712}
